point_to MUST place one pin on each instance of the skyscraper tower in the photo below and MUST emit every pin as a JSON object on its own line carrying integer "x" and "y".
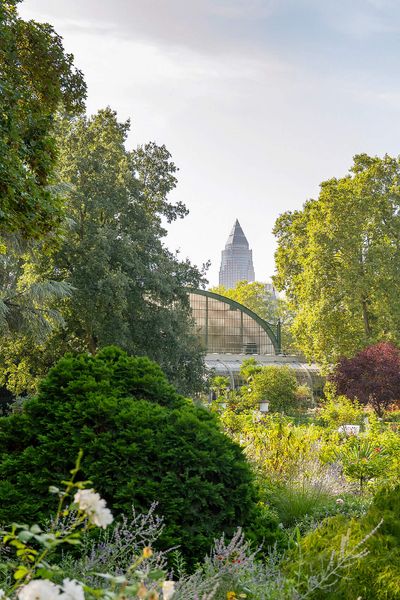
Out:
{"x": 237, "y": 259}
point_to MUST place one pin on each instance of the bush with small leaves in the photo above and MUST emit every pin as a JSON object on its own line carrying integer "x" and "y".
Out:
{"x": 142, "y": 442}
{"x": 339, "y": 411}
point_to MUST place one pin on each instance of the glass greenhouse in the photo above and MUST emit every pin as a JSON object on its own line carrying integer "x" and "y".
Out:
{"x": 229, "y": 327}
{"x": 230, "y": 332}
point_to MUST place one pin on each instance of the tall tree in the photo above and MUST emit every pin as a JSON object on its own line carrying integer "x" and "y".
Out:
{"x": 37, "y": 78}
{"x": 338, "y": 261}
{"x": 372, "y": 376}
{"x": 31, "y": 298}
{"x": 127, "y": 288}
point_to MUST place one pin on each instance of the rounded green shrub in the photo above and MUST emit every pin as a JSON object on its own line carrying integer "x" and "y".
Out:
{"x": 141, "y": 442}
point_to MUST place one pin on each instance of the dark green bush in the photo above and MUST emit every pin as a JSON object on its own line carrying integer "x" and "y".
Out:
{"x": 141, "y": 442}
{"x": 374, "y": 577}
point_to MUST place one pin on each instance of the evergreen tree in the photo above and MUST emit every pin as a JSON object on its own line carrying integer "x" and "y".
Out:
{"x": 141, "y": 442}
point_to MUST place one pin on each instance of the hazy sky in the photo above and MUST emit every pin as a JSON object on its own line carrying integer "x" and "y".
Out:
{"x": 257, "y": 100}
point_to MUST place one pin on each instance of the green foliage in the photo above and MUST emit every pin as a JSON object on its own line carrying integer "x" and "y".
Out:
{"x": 249, "y": 368}
{"x": 273, "y": 384}
{"x": 155, "y": 173}
{"x": 286, "y": 314}
{"x": 30, "y": 551}
{"x": 337, "y": 259}
{"x": 338, "y": 411}
{"x": 233, "y": 571}
{"x": 126, "y": 287}
{"x": 277, "y": 386}
{"x": 28, "y": 299}
{"x": 279, "y": 450}
{"x": 372, "y": 457}
{"x": 141, "y": 442}
{"x": 388, "y": 443}
{"x": 392, "y": 416}
{"x": 361, "y": 460}
{"x": 220, "y": 386}
{"x": 37, "y": 78}
{"x": 376, "y": 576}
{"x": 295, "y": 502}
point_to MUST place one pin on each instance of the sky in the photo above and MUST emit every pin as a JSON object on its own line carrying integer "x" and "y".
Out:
{"x": 258, "y": 101}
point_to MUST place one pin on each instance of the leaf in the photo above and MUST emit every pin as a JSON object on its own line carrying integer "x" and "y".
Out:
{"x": 118, "y": 579}
{"x": 72, "y": 541}
{"x": 156, "y": 575}
{"x": 20, "y": 572}
{"x": 25, "y": 536}
{"x": 46, "y": 573}
{"x": 132, "y": 588}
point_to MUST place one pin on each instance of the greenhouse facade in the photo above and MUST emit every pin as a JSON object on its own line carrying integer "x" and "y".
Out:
{"x": 226, "y": 326}
{"x": 230, "y": 332}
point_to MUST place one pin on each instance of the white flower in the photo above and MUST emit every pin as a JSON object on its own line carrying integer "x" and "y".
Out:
{"x": 168, "y": 588}
{"x": 39, "y": 589}
{"x": 94, "y": 506}
{"x": 73, "y": 590}
{"x": 339, "y": 501}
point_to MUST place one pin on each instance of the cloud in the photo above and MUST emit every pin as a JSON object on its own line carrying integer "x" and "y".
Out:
{"x": 360, "y": 19}
{"x": 209, "y": 25}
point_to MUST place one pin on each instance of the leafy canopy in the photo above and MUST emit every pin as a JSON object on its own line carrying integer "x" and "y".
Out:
{"x": 372, "y": 376}
{"x": 338, "y": 258}
{"x": 37, "y": 79}
{"x": 126, "y": 288}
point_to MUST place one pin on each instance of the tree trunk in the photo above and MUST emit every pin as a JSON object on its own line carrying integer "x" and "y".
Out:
{"x": 92, "y": 346}
{"x": 367, "y": 327}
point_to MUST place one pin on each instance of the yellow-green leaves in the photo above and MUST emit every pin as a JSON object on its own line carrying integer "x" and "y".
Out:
{"x": 338, "y": 261}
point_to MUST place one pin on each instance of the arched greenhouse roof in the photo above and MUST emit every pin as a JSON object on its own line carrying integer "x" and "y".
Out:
{"x": 226, "y": 326}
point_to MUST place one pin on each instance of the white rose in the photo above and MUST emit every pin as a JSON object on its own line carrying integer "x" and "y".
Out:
{"x": 95, "y": 507}
{"x": 39, "y": 589}
{"x": 168, "y": 589}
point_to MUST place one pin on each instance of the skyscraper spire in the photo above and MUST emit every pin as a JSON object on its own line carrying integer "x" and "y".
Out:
{"x": 236, "y": 237}
{"x": 237, "y": 259}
